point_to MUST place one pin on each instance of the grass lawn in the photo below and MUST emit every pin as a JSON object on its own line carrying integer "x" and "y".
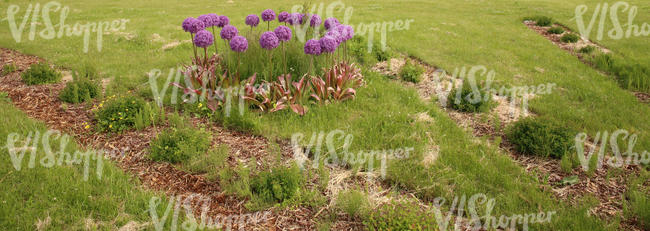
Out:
{"x": 384, "y": 114}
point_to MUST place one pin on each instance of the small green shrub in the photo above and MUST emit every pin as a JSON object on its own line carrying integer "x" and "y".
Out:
{"x": 556, "y": 30}
{"x": 9, "y": 68}
{"x": 352, "y": 202}
{"x": 4, "y": 97}
{"x": 79, "y": 91}
{"x": 381, "y": 54}
{"x": 541, "y": 20}
{"x": 278, "y": 185}
{"x": 209, "y": 163}
{"x": 467, "y": 101}
{"x": 629, "y": 76}
{"x": 570, "y": 38}
{"x": 537, "y": 137}
{"x": 119, "y": 113}
{"x": 587, "y": 49}
{"x": 176, "y": 145}
{"x": 400, "y": 216}
{"x": 358, "y": 49}
{"x": 40, "y": 73}
{"x": 638, "y": 203}
{"x": 411, "y": 72}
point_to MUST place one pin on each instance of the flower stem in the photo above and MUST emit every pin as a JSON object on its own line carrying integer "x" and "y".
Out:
{"x": 214, "y": 34}
{"x": 196, "y": 57}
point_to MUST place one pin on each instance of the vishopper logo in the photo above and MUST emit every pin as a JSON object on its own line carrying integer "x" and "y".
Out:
{"x": 34, "y": 14}
{"x": 484, "y": 92}
{"x": 35, "y": 140}
{"x": 618, "y": 160}
{"x": 367, "y": 29}
{"x": 617, "y": 30}
{"x": 470, "y": 215}
{"x": 333, "y": 138}
{"x": 220, "y": 221}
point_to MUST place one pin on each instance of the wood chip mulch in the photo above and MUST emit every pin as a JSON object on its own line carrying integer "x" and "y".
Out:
{"x": 41, "y": 102}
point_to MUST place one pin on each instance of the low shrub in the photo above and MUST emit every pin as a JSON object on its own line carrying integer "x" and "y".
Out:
{"x": 380, "y": 53}
{"x": 411, "y": 72}
{"x": 629, "y": 76}
{"x": 208, "y": 163}
{"x": 541, "y": 20}
{"x": 352, "y": 202}
{"x": 400, "y": 216}
{"x": 587, "y": 49}
{"x": 125, "y": 112}
{"x": 278, "y": 185}
{"x": 570, "y": 38}
{"x": 176, "y": 145}
{"x": 540, "y": 137}
{"x": 358, "y": 49}
{"x": 467, "y": 101}
{"x": 40, "y": 73}
{"x": 556, "y": 30}
{"x": 78, "y": 91}
{"x": 9, "y": 68}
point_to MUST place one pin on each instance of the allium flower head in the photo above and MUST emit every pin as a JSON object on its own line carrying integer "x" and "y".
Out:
{"x": 328, "y": 44}
{"x": 283, "y": 33}
{"x": 268, "y": 15}
{"x": 269, "y": 40}
{"x": 223, "y": 21}
{"x": 228, "y": 32}
{"x": 239, "y": 44}
{"x": 335, "y": 35}
{"x": 296, "y": 19}
{"x": 195, "y": 26}
{"x": 349, "y": 32}
{"x": 208, "y": 20}
{"x": 187, "y": 24}
{"x": 330, "y": 23}
{"x": 315, "y": 21}
{"x": 252, "y": 20}
{"x": 343, "y": 32}
{"x": 283, "y": 17}
{"x": 203, "y": 39}
{"x": 312, "y": 47}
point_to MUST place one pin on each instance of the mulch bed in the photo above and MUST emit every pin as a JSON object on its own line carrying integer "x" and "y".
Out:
{"x": 41, "y": 102}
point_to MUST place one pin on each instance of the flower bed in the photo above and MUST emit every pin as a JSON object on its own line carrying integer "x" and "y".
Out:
{"x": 278, "y": 72}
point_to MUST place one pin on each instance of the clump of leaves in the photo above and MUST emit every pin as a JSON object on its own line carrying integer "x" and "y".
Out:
{"x": 587, "y": 49}
{"x": 79, "y": 90}
{"x": 570, "y": 38}
{"x": 556, "y": 30}
{"x": 176, "y": 145}
{"x": 40, "y": 73}
{"x": 359, "y": 50}
{"x": 277, "y": 185}
{"x": 540, "y": 137}
{"x": 400, "y": 216}
{"x": 466, "y": 99}
{"x": 339, "y": 83}
{"x": 352, "y": 202}
{"x": 9, "y": 68}
{"x": 411, "y": 72}
{"x": 121, "y": 113}
{"x": 381, "y": 53}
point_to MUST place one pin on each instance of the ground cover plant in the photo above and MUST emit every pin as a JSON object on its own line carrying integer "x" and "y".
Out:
{"x": 542, "y": 138}
{"x": 79, "y": 90}
{"x": 40, "y": 73}
{"x": 384, "y": 114}
{"x": 411, "y": 72}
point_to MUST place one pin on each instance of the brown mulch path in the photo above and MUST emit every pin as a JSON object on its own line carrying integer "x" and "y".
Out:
{"x": 41, "y": 102}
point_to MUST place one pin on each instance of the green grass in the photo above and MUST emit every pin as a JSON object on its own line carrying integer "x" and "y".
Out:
{"x": 382, "y": 117}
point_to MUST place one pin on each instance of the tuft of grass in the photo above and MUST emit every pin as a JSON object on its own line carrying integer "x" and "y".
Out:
{"x": 540, "y": 137}
{"x": 125, "y": 112}
{"x": 570, "y": 38}
{"x": 466, "y": 100}
{"x": 277, "y": 185}
{"x": 411, "y": 72}
{"x": 629, "y": 76}
{"x": 587, "y": 49}
{"x": 79, "y": 90}
{"x": 400, "y": 216}
{"x": 208, "y": 163}
{"x": 179, "y": 144}
{"x": 9, "y": 68}
{"x": 541, "y": 20}
{"x": 352, "y": 202}
{"x": 556, "y": 30}
{"x": 40, "y": 73}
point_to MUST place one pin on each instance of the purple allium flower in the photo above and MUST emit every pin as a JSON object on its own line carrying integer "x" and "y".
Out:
{"x": 283, "y": 17}
{"x": 349, "y": 32}
{"x": 228, "y": 32}
{"x": 269, "y": 40}
{"x": 335, "y": 35}
{"x": 187, "y": 24}
{"x": 203, "y": 39}
{"x": 268, "y": 15}
{"x": 296, "y": 19}
{"x": 208, "y": 19}
{"x": 252, "y": 20}
{"x": 283, "y": 33}
{"x": 330, "y": 22}
{"x": 315, "y": 21}
{"x": 196, "y": 26}
{"x": 328, "y": 44}
{"x": 343, "y": 32}
{"x": 239, "y": 44}
{"x": 312, "y": 47}
{"x": 223, "y": 21}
